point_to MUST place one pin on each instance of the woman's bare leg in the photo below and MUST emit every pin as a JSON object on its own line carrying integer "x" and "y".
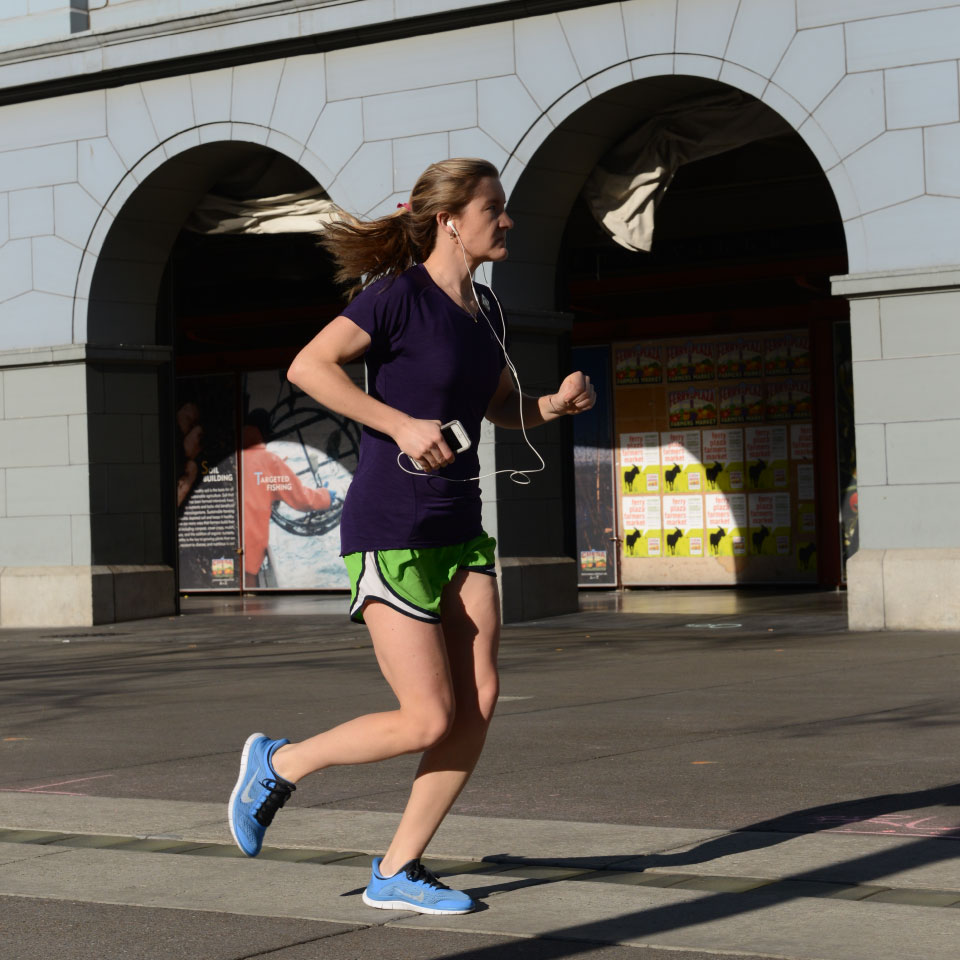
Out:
{"x": 471, "y": 628}
{"x": 413, "y": 659}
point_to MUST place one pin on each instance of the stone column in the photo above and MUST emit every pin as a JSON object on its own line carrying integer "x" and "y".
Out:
{"x": 905, "y": 329}
{"x": 536, "y": 522}
{"x": 82, "y": 515}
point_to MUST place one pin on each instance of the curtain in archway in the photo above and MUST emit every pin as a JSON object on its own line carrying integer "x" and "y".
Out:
{"x": 309, "y": 211}
{"x": 625, "y": 188}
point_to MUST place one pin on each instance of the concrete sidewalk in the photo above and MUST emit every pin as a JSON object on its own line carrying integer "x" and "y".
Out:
{"x": 709, "y": 776}
{"x": 749, "y": 894}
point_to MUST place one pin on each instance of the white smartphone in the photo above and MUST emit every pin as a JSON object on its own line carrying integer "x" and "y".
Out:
{"x": 455, "y": 438}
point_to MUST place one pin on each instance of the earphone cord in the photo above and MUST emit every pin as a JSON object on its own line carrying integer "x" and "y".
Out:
{"x": 517, "y": 476}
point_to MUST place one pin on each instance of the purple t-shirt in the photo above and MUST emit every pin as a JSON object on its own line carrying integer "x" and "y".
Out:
{"x": 430, "y": 359}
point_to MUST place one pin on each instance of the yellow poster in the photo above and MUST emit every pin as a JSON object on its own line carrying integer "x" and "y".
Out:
{"x": 726, "y": 524}
{"x": 639, "y": 463}
{"x": 681, "y": 464}
{"x": 683, "y": 526}
{"x": 806, "y": 537}
{"x": 766, "y": 457}
{"x": 769, "y": 516}
{"x": 641, "y": 527}
{"x": 722, "y": 456}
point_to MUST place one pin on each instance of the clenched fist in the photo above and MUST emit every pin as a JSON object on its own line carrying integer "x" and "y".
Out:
{"x": 575, "y": 395}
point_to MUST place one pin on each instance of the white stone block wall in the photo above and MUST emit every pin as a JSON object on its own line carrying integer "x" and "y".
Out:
{"x": 44, "y": 460}
{"x": 906, "y": 371}
{"x": 27, "y": 22}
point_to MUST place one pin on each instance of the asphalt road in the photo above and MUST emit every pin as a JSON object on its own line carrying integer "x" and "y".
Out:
{"x": 618, "y": 718}
{"x": 765, "y": 715}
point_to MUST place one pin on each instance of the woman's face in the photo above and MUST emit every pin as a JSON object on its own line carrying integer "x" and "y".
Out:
{"x": 483, "y": 223}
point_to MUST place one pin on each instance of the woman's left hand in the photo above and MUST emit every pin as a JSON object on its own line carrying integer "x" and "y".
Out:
{"x": 575, "y": 395}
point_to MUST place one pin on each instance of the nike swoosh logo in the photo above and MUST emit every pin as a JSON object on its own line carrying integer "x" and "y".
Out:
{"x": 245, "y": 796}
{"x": 418, "y": 897}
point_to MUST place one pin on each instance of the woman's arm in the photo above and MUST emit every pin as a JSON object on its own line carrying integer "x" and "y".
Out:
{"x": 317, "y": 370}
{"x": 575, "y": 395}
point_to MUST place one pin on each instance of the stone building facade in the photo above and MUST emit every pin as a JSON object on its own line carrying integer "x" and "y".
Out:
{"x": 116, "y": 116}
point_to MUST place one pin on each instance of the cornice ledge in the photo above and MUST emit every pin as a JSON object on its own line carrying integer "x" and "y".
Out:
{"x": 893, "y": 282}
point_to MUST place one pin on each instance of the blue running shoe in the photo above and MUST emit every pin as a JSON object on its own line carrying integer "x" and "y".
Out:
{"x": 413, "y": 887}
{"x": 259, "y": 793}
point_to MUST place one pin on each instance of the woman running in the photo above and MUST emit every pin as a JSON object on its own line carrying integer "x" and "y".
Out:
{"x": 421, "y": 567}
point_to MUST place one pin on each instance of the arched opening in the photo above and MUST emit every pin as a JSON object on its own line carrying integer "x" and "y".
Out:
{"x": 719, "y": 354}
{"x": 218, "y": 305}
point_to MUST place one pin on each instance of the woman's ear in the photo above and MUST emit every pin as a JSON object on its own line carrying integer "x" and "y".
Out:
{"x": 444, "y": 222}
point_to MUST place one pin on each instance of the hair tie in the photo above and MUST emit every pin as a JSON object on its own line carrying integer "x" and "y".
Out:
{"x": 406, "y": 206}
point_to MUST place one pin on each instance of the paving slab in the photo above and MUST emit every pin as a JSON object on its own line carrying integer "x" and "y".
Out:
{"x": 908, "y": 862}
{"x": 65, "y": 930}
{"x": 576, "y": 843}
{"x": 15, "y": 852}
{"x": 249, "y": 887}
{"x": 776, "y": 926}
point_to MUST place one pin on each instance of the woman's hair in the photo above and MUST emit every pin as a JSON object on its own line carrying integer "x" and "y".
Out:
{"x": 366, "y": 251}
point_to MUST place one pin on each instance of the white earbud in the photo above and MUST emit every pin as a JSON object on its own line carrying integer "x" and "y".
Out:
{"x": 452, "y": 226}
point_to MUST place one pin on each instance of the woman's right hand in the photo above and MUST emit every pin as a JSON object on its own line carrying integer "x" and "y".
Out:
{"x": 421, "y": 440}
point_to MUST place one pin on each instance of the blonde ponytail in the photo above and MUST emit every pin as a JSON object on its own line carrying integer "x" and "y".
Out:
{"x": 367, "y": 251}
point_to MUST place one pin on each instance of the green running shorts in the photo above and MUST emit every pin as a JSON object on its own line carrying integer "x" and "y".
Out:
{"x": 412, "y": 581}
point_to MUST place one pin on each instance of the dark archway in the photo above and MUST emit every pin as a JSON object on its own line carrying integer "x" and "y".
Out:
{"x": 158, "y": 301}
{"x": 744, "y": 241}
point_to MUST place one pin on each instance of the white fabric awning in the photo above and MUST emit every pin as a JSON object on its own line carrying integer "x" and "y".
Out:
{"x": 624, "y": 189}
{"x": 307, "y": 212}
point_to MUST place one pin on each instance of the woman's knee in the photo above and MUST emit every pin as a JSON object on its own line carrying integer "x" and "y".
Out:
{"x": 427, "y": 728}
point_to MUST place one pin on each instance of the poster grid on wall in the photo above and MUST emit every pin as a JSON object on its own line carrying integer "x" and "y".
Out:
{"x": 718, "y": 430}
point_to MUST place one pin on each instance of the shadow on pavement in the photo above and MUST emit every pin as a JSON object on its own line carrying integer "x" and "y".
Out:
{"x": 872, "y": 867}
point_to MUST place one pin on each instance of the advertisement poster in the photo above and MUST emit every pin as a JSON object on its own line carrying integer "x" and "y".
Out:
{"x": 638, "y": 363}
{"x": 594, "y": 476}
{"x": 805, "y": 482}
{"x": 640, "y": 462}
{"x": 801, "y": 441}
{"x": 742, "y": 357}
{"x": 806, "y": 519}
{"x": 692, "y": 407}
{"x": 626, "y": 366}
{"x": 766, "y": 457}
{"x": 683, "y": 526}
{"x": 208, "y": 530}
{"x": 680, "y": 458}
{"x": 769, "y": 516}
{"x": 799, "y": 354}
{"x": 730, "y": 398}
{"x": 788, "y": 399}
{"x": 641, "y": 526}
{"x": 722, "y": 457}
{"x": 298, "y": 460}
{"x": 806, "y": 553}
{"x": 776, "y": 356}
{"x": 754, "y": 407}
{"x": 726, "y": 524}
{"x": 690, "y": 360}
